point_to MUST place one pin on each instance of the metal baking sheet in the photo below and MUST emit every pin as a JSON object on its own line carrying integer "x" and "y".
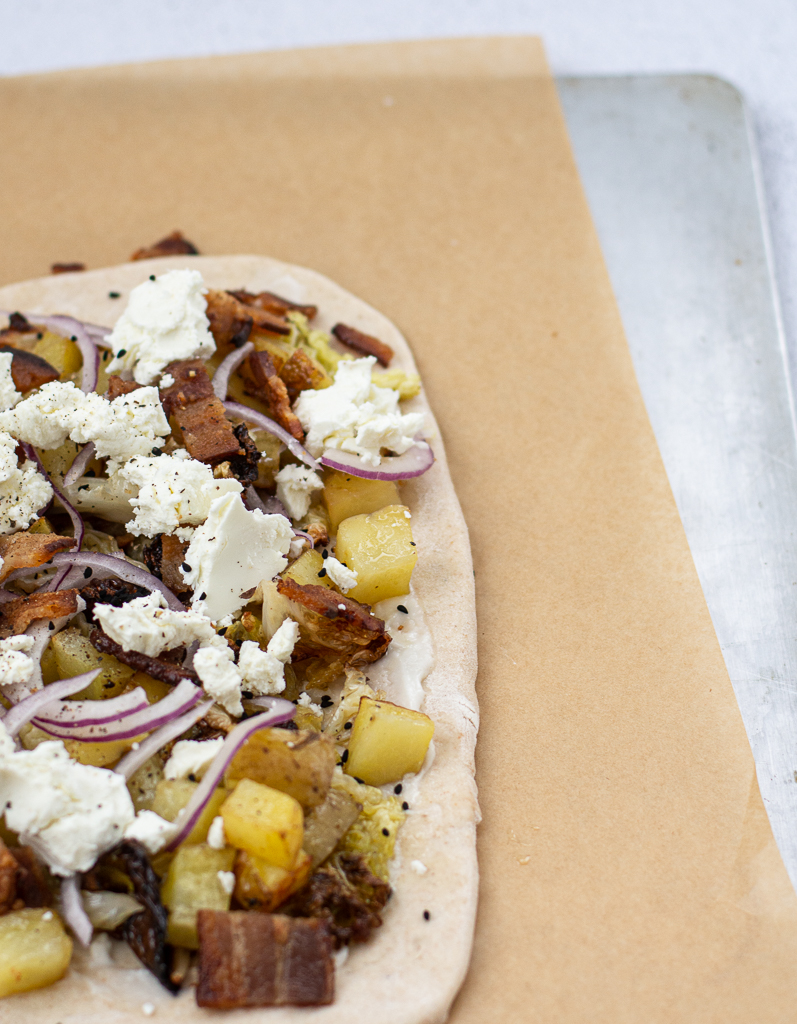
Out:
{"x": 669, "y": 167}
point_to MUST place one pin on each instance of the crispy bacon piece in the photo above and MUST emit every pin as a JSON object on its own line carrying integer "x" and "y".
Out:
{"x": 117, "y": 387}
{"x": 269, "y": 387}
{"x": 207, "y": 432}
{"x": 33, "y": 886}
{"x": 163, "y": 557}
{"x": 333, "y": 626}
{"x": 172, "y": 245}
{"x": 272, "y": 303}
{"x": 244, "y": 467}
{"x": 248, "y": 959}
{"x": 25, "y": 550}
{"x": 17, "y": 324}
{"x": 17, "y": 615}
{"x": 29, "y": 370}
{"x": 231, "y": 321}
{"x": 300, "y": 373}
{"x": 347, "y": 895}
{"x": 66, "y": 268}
{"x": 8, "y": 879}
{"x": 364, "y": 343}
{"x": 158, "y": 668}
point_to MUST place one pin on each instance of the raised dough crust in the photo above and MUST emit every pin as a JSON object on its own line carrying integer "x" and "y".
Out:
{"x": 411, "y": 971}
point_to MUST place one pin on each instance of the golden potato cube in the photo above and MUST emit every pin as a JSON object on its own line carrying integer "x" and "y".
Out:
{"x": 171, "y": 796}
{"x": 101, "y": 755}
{"x": 74, "y": 654}
{"x": 306, "y": 569}
{"x": 155, "y": 689}
{"x": 61, "y": 353}
{"x": 34, "y": 950}
{"x": 263, "y": 886}
{"x": 387, "y": 742}
{"x": 192, "y": 884}
{"x": 263, "y": 821}
{"x": 380, "y": 549}
{"x": 347, "y": 496}
{"x": 297, "y": 763}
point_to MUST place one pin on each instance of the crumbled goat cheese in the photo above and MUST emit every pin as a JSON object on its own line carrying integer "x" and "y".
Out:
{"x": 418, "y": 867}
{"x": 9, "y": 396}
{"x": 216, "y": 838}
{"x": 306, "y": 701}
{"x": 354, "y": 415}
{"x": 220, "y": 678}
{"x": 296, "y": 548}
{"x": 295, "y": 484}
{"x": 341, "y": 575}
{"x": 16, "y": 668}
{"x": 191, "y": 757}
{"x": 146, "y": 625}
{"x": 166, "y": 381}
{"x": 226, "y": 881}
{"x": 70, "y": 813}
{"x": 263, "y": 672}
{"x": 173, "y": 490}
{"x": 23, "y": 490}
{"x": 130, "y": 425}
{"x": 164, "y": 321}
{"x": 151, "y": 829}
{"x": 231, "y": 553}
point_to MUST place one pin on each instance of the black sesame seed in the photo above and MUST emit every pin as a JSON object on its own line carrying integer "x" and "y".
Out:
{"x": 152, "y": 277}
{"x": 90, "y": 472}
{"x": 323, "y": 572}
{"x": 405, "y": 806}
{"x": 39, "y": 336}
{"x": 121, "y": 352}
{"x": 191, "y": 777}
{"x": 186, "y": 567}
{"x": 397, "y": 789}
{"x": 401, "y": 608}
{"x": 325, "y": 553}
{"x": 73, "y": 338}
{"x": 202, "y": 596}
{"x": 109, "y": 685}
{"x": 412, "y": 543}
{"x": 51, "y": 625}
{"x": 385, "y": 832}
{"x": 326, "y": 701}
{"x": 221, "y": 631}
{"x": 344, "y": 757}
{"x": 114, "y": 295}
{"x": 347, "y": 725}
{"x": 426, "y": 915}
{"x": 157, "y": 451}
{"x": 87, "y": 572}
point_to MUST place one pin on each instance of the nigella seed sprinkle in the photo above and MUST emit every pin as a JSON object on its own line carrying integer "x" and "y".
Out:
{"x": 326, "y": 701}
{"x": 152, "y": 277}
{"x": 121, "y": 352}
{"x": 90, "y": 472}
{"x": 361, "y": 781}
{"x": 325, "y": 553}
{"x": 157, "y": 451}
{"x": 347, "y": 725}
{"x": 39, "y": 336}
{"x": 186, "y": 567}
{"x": 322, "y": 572}
{"x": 114, "y": 295}
{"x": 73, "y": 338}
{"x": 412, "y": 543}
{"x": 87, "y": 572}
{"x": 405, "y": 806}
{"x": 426, "y": 915}
{"x": 385, "y": 832}
{"x": 222, "y": 631}
{"x": 51, "y": 625}
{"x": 203, "y": 596}
{"x": 401, "y": 608}
{"x": 344, "y": 757}
{"x": 397, "y": 789}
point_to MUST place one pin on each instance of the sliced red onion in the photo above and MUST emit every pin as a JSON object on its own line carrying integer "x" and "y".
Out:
{"x": 41, "y": 633}
{"x": 412, "y": 463}
{"x": 252, "y": 500}
{"x": 122, "y": 568}
{"x": 77, "y": 521}
{"x": 281, "y": 711}
{"x": 221, "y": 378}
{"x": 23, "y": 712}
{"x": 132, "y": 761}
{"x": 94, "y": 712}
{"x": 304, "y": 536}
{"x": 74, "y": 912}
{"x": 183, "y": 697}
{"x": 275, "y": 507}
{"x": 243, "y": 412}
{"x": 78, "y": 467}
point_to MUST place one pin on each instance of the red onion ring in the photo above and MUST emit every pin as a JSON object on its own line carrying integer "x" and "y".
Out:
{"x": 122, "y": 568}
{"x": 243, "y": 412}
{"x": 253, "y": 501}
{"x": 304, "y": 536}
{"x": 412, "y": 463}
{"x": 132, "y": 761}
{"x": 77, "y": 522}
{"x": 81, "y": 460}
{"x": 20, "y": 714}
{"x": 281, "y": 711}
{"x": 74, "y": 912}
{"x": 231, "y": 362}
{"x": 74, "y": 712}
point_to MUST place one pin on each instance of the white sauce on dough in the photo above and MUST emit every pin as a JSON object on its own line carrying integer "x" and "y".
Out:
{"x": 410, "y": 657}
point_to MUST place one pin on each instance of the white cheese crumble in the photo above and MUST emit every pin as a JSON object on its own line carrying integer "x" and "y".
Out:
{"x": 148, "y": 1009}
{"x": 263, "y": 672}
{"x": 341, "y": 575}
{"x": 220, "y": 678}
{"x": 231, "y": 553}
{"x": 306, "y": 701}
{"x": 354, "y": 415}
{"x": 217, "y": 840}
{"x": 148, "y": 626}
{"x": 150, "y": 829}
{"x": 9, "y": 396}
{"x": 191, "y": 757}
{"x": 173, "y": 490}
{"x": 418, "y": 867}
{"x": 226, "y": 881}
{"x": 70, "y": 813}
{"x": 15, "y": 666}
{"x": 164, "y": 321}
{"x": 166, "y": 381}
{"x": 295, "y": 485}
{"x": 23, "y": 490}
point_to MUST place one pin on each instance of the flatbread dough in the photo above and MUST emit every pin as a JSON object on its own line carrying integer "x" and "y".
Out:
{"x": 411, "y": 970}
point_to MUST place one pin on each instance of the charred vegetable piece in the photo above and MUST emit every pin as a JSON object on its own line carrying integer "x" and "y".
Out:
{"x": 363, "y": 343}
{"x": 29, "y": 370}
{"x": 263, "y": 886}
{"x": 387, "y": 742}
{"x": 380, "y": 549}
{"x": 297, "y": 763}
{"x": 263, "y": 960}
{"x": 347, "y": 496}
{"x": 22, "y": 550}
{"x": 326, "y": 824}
{"x": 373, "y": 834}
{"x": 264, "y": 822}
{"x": 172, "y": 245}
{"x": 245, "y": 467}
{"x": 33, "y": 879}
{"x": 193, "y": 884}
{"x": 34, "y": 950}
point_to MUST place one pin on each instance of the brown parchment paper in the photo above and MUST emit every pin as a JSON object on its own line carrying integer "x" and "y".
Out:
{"x": 628, "y": 870}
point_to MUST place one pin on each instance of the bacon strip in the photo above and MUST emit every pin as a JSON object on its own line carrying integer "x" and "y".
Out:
{"x": 249, "y": 959}
{"x": 172, "y": 245}
{"x": 32, "y": 886}
{"x": 18, "y": 615}
{"x": 28, "y": 550}
{"x": 272, "y": 303}
{"x": 365, "y": 343}
{"x": 207, "y": 432}
{"x": 158, "y": 668}
{"x": 231, "y": 321}
{"x": 265, "y": 384}
{"x": 29, "y": 370}
{"x": 117, "y": 387}
{"x": 66, "y": 268}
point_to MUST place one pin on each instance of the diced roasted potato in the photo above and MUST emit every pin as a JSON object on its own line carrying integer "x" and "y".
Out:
{"x": 155, "y": 689}
{"x": 34, "y": 950}
{"x": 380, "y": 549}
{"x": 387, "y": 742}
{"x": 61, "y": 353}
{"x": 192, "y": 884}
{"x": 347, "y": 496}
{"x": 307, "y": 567}
{"x": 171, "y": 796}
{"x": 373, "y": 834}
{"x": 263, "y": 821}
{"x": 75, "y": 654}
{"x": 58, "y": 460}
{"x": 324, "y": 825}
{"x": 297, "y": 763}
{"x": 263, "y": 886}
{"x": 101, "y": 755}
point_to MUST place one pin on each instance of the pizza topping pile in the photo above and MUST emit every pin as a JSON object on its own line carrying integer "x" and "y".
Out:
{"x": 191, "y": 756}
